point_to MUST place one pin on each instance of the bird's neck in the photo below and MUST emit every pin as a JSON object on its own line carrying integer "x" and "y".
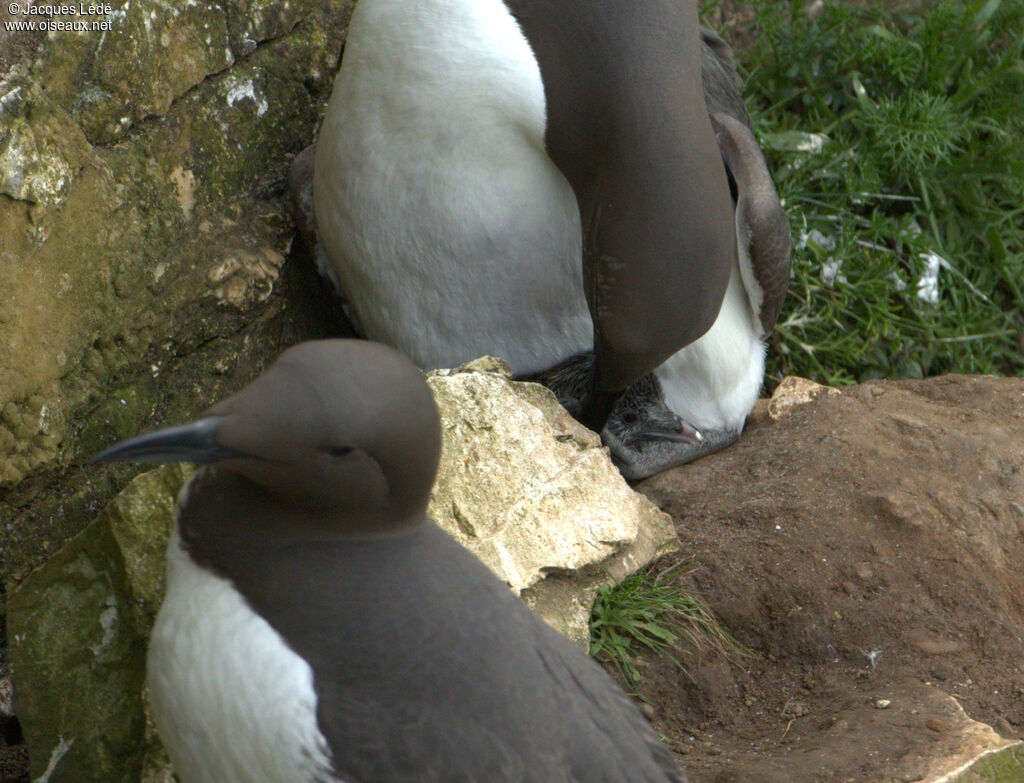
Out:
{"x": 223, "y": 512}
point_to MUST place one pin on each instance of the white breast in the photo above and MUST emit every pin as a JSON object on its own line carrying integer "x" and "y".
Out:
{"x": 714, "y": 382}
{"x": 450, "y": 230}
{"x": 232, "y": 702}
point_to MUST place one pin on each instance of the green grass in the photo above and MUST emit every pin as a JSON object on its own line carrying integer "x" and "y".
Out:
{"x": 655, "y": 611}
{"x": 895, "y": 138}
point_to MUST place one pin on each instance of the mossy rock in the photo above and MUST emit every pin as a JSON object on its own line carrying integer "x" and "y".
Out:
{"x": 1005, "y": 765}
{"x": 77, "y": 629}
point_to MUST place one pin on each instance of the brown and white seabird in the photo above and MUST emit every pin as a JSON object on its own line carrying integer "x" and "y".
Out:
{"x": 319, "y": 628}
{"x": 528, "y": 178}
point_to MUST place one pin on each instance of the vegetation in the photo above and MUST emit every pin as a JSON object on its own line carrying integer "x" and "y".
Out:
{"x": 896, "y": 139}
{"x": 656, "y": 611}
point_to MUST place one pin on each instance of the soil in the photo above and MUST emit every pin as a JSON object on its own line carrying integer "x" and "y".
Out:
{"x": 868, "y": 546}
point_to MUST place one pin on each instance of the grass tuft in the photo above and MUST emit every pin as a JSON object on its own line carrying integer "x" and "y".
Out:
{"x": 656, "y": 611}
{"x": 897, "y": 143}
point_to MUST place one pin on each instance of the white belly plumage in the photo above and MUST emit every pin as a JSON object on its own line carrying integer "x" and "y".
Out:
{"x": 232, "y": 702}
{"x": 450, "y": 230}
{"x": 714, "y": 382}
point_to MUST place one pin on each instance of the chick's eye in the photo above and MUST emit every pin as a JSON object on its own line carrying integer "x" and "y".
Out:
{"x": 629, "y": 418}
{"x": 336, "y": 451}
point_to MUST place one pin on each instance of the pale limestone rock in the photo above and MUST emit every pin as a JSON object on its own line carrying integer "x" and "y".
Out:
{"x": 794, "y": 391}
{"x": 533, "y": 493}
{"x": 973, "y": 752}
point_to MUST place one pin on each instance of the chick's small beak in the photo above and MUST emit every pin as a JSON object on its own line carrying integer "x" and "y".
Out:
{"x": 672, "y": 429}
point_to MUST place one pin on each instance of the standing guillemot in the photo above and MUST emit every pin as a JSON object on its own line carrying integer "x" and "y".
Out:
{"x": 696, "y": 402}
{"x": 527, "y": 178}
{"x": 319, "y": 628}
{"x": 713, "y": 384}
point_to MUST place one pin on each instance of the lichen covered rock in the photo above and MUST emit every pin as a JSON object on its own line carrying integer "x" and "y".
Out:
{"x": 143, "y": 236}
{"x": 41, "y": 147}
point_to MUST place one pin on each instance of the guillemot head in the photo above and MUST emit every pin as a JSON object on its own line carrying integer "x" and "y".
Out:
{"x": 345, "y": 426}
{"x": 622, "y": 88}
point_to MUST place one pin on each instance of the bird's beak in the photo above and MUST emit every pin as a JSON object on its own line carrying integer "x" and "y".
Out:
{"x": 671, "y": 428}
{"x": 192, "y": 442}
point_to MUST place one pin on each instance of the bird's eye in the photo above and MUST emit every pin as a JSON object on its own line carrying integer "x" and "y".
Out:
{"x": 336, "y": 451}
{"x": 629, "y": 418}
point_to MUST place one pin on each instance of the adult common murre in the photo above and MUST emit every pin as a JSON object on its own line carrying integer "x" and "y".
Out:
{"x": 319, "y": 628}
{"x": 528, "y": 178}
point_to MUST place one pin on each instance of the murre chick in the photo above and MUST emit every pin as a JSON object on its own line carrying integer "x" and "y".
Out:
{"x": 528, "y": 178}
{"x": 319, "y": 628}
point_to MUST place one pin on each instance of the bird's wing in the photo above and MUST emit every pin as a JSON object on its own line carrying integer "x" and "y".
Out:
{"x": 762, "y": 230}
{"x": 583, "y": 730}
{"x": 720, "y": 81}
{"x": 467, "y": 684}
{"x": 615, "y": 742}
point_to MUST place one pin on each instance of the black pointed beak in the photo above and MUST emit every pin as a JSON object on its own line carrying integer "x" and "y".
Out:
{"x": 192, "y": 442}
{"x": 671, "y": 428}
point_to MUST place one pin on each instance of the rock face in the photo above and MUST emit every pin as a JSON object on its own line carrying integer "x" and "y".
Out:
{"x": 78, "y": 629}
{"x": 143, "y": 232}
{"x": 144, "y": 246}
{"x": 524, "y": 486}
{"x": 869, "y": 543}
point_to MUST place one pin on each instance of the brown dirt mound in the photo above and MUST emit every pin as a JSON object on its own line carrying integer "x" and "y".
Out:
{"x": 869, "y": 545}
